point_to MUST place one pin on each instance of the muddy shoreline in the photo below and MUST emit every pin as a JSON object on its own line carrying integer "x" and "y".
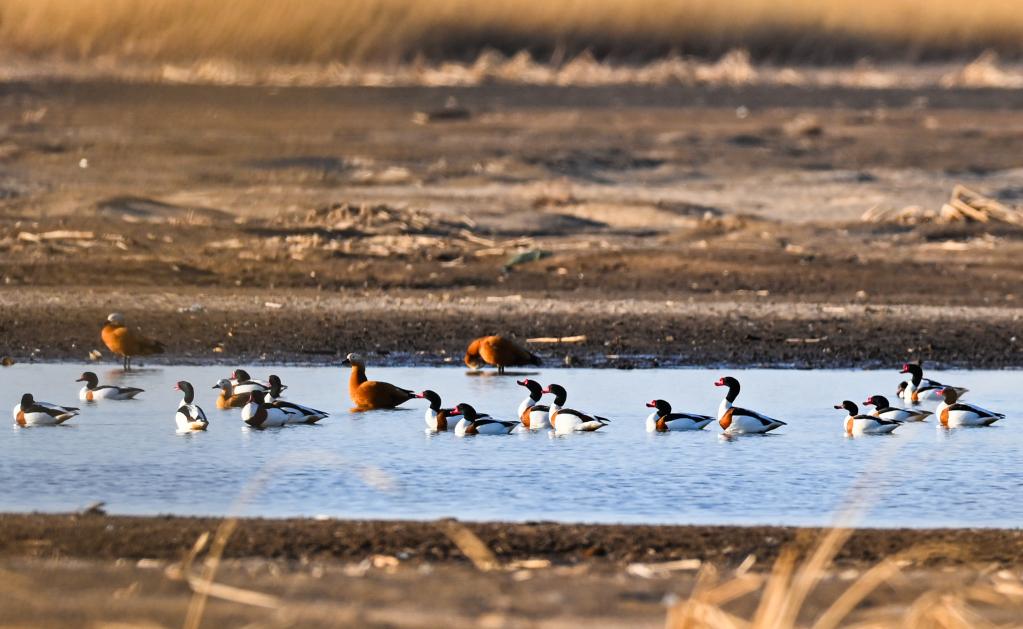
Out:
{"x": 103, "y": 537}
{"x": 432, "y": 329}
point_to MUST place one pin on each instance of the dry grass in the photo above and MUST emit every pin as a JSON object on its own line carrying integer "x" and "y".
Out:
{"x": 282, "y": 31}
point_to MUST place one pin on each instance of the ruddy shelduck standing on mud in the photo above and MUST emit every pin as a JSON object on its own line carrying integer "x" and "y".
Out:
{"x": 125, "y": 342}
{"x": 500, "y": 352}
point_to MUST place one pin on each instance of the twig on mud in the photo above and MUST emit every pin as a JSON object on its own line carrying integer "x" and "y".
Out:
{"x": 558, "y": 339}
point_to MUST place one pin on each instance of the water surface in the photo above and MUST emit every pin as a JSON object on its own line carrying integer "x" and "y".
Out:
{"x": 381, "y": 464}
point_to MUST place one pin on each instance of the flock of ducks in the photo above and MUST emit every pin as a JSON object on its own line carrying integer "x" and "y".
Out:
{"x": 263, "y": 406}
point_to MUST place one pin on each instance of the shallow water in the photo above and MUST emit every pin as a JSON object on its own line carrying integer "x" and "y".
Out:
{"x": 382, "y": 464}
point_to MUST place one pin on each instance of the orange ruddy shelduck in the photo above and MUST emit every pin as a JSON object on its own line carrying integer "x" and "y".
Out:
{"x": 125, "y": 342}
{"x": 499, "y": 352}
{"x": 369, "y": 394}
{"x": 229, "y": 398}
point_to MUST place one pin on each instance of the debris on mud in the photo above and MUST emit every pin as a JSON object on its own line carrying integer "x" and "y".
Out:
{"x": 964, "y": 206}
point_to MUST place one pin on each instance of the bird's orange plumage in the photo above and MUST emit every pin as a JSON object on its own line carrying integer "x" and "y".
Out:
{"x": 498, "y": 351}
{"x": 372, "y": 394}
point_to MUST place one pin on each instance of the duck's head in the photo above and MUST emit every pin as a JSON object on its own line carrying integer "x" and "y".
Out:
{"x": 241, "y": 375}
{"x": 257, "y": 397}
{"x": 223, "y": 384}
{"x": 535, "y": 390}
{"x": 355, "y": 360}
{"x": 733, "y": 387}
{"x": 877, "y": 401}
{"x": 662, "y": 406}
{"x": 466, "y": 411}
{"x": 949, "y": 395}
{"x": 849, "y": 406}
{"x": 186, "y": 388}
{"x": 472, "y": 360}
{"x": 912, "y": 368}
{"x": 901, "y": 388}
{"x": 27, "y": 400}
{"x": 89, "y": 378}
{"x": 431, "y": 397}
{"x": 559, "y": 393}
{"x": 115, "y": 319}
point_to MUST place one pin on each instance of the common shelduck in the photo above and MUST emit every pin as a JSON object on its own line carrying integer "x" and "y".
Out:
{"x": 436, "y": 417}
{"x": 297, "y": 413}
{"x": 242, "y": 382}
{"x": 29, "y": 412}
{"x": 738, "y": 421}
{"x": 228, "y": 398}
{"x": 258, "y": 414}
{"x": 953, "y": 414}
{"x": 369, "y": 394}
{"x": 190, "y": 416}
{"x": 884, "y": 410}
{"x": 93, "y": 391}
{"x": 532, "y": 414}
{"x": 856, "y": 424}
{"x": 922, "y": 389}
{"x": 499, "y": 352}
{"x": 277, "y": 388}
{"x": 567, "y": 420}
{"x": 125, "y": 342}
{"x": 663, "y": 420}
{"x": 473, "y": 423}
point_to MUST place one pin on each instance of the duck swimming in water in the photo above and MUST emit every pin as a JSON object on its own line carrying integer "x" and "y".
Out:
{"x": 857, "y": 424}
{"x": 370, "y": 394}
{"x": 532, "y": 414}
{"x": 740, "y": 421}
{"x": 473, "y": 423}
{"x": 952, "y": 413}
{"x": 93, "y": 391}
{"x": 663, "y": 420}
{"x": 31, "y": 412}
{"x": 920, "y": 389}
{"x": 567, "y": 420}
{"x": 884, "y": 410}
{"x": 190, "y": 416}
{"x": 436, "y": 417}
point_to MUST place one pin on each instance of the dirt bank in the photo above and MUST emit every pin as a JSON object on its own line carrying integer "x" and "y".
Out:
{"x": 409, "y": 574}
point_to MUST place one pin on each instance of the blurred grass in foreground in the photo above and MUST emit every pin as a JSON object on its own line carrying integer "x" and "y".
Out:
{"x": 284, "y": 31}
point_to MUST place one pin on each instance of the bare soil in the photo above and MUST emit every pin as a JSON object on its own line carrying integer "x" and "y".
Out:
{"x": 671, "y": 225}
{"x": 386, "y": 573}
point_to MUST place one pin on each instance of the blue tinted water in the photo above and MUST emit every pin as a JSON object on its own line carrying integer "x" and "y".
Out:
{"x": 381, "y": 464}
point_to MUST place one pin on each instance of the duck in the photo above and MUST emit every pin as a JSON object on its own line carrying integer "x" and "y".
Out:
{"x": 30, "y": 412}
{"x": 436, "y": 417}
{"x": 276, "y": 391}
{"x": 93, "y": 391}
{"x": 297, "y": 413}
{"x": 954, "y": 414}
{"x": 258, "y": 414}
{"x": 242, "y": 382}
{"x": 127, "y": 343}
{"x": 856, "y": 424}
{"x": 534, "y": 416}
{"x": 884, "y": 410}
{"x": 190, "y": 416}
{"x": 228, "y": 398}
{"x": 920, "y": 389}
{"x": 739, "y": 421}
{"x": 370, "y": 394}
{"x": 473, "y": 423}
{"x": 566, "y": 420}
{"x": 663, "y": 420}
{"x": 500, "y": 352}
